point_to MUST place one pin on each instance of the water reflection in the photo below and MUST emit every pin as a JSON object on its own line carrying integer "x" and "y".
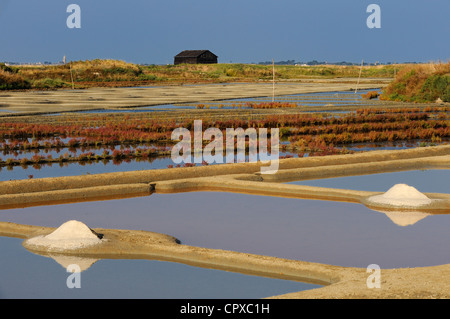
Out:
{"x": 340, "y": 98}
{"x": 28, "y": 275}
{"x": 65, "y": 261}
{"x": 430, "y": 180}
{"x": 337, "y": 233}
{"x": 404, "y": 218}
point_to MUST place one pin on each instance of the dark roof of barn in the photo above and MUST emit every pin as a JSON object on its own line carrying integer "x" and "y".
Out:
{"x": 191, "y": 53}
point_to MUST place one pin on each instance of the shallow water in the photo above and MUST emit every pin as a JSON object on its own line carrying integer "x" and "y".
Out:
{"x": 27, "y": 275}
{"x": 100, "y": 167}
{"x": 336, "y": 233}
{"x": 310, "y": 99}
{"x": 85, "y": 168}
{"x": 142, "y": 109}
{"x": 72, "y": 169}
{"x": 429, "y": 181}
{"x": 396, "y": 145}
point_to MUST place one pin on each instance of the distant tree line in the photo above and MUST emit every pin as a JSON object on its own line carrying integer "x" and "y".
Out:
{"x": 315, "y": 62}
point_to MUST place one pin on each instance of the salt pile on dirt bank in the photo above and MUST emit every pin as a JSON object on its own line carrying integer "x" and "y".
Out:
{"x": 70, "y": 235}
{"x": 401, "y": 195}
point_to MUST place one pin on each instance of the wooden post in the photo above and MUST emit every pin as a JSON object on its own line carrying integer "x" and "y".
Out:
{"x": 360, "y": 70}
{"x": 71, "y": 76}
{"x": 273, "y": 80}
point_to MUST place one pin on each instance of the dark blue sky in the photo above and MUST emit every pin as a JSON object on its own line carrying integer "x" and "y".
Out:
{"x": 246, "y": 31}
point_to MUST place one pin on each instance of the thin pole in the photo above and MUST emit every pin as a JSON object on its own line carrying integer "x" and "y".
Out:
{"x": 360, "y": 70}
{"x": 71, "y": 76}
{"x": 273, "y": 80}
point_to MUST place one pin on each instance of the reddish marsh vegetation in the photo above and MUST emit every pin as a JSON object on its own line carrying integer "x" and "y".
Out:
{"x": 370, "y": 95}
{"x": 143, "y": 138}
{"x": 254, "y": 105}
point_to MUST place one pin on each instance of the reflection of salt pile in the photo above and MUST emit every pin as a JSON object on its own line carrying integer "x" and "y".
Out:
{"x": 405, "y": 218}
{"x": 82, "y": 262}
{"x": 70, "y": 235}
{"x": 401, "y": 195}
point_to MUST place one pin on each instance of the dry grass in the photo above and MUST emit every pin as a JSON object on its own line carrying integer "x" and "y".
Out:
{"x": 420, "y": 83}
{"x": 95, "y": 70}
{"x": 12, "y": 81}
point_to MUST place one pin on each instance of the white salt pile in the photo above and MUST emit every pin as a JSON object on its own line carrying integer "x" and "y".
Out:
{"x": 401, "y": 195}
{"x": 70, "y": 235}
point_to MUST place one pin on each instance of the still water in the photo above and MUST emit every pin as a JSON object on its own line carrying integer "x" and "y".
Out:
{"x": 26, "y": 275}
{"x": 337, "y": 233}
{"x": 429, "y": 181}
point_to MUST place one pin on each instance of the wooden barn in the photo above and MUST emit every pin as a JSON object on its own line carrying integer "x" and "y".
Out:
{"x": 195, "y": 57}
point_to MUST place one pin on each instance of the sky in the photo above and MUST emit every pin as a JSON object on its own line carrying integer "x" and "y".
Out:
{"x": 237, "y": 31}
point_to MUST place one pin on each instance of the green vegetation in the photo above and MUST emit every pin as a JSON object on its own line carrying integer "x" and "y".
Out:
{"x": 116, "y": 73}
{"x": 49, "y": 84}
{"x": 6, "y": 68}
{"x": 420, "y": 83}
{"x": 256, "y": 72}
{"x": 436, "y": 86}
{"x": 413, "y": 83}
{"x": 10, "y": 80}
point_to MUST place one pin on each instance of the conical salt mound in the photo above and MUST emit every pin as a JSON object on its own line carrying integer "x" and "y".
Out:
{"x": 72, "y": 229}
{"x": 70, "y": 235}
{"x": 401, "y": 195}
{"x": 404, "y": 191}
